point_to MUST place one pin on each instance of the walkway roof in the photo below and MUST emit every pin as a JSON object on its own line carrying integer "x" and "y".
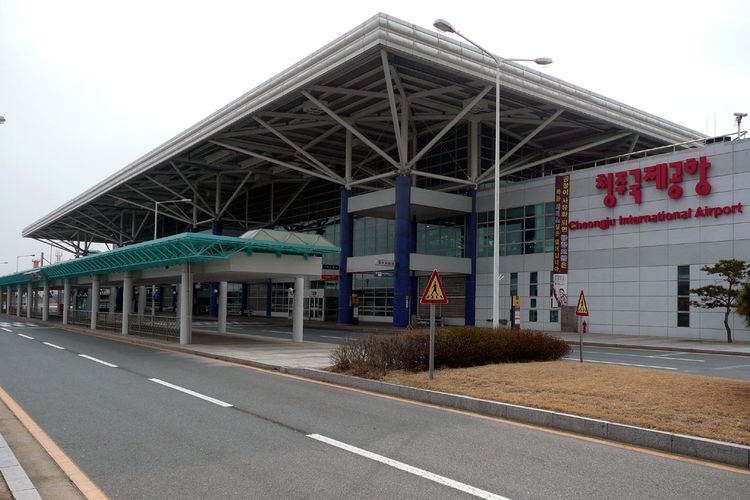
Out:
{"x": 395, "y": 90}
{"x": 174, "y": 250}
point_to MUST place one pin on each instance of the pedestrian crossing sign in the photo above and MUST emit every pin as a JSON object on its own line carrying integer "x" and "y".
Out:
{"x": 582, "y": 309}
{"x": 434, "y": 293}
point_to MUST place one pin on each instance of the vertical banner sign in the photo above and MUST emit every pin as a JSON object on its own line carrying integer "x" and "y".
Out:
{"x": 560, "y": 246}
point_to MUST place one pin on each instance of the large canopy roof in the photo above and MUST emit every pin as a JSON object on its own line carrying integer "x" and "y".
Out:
{"x": 393, "y": 91}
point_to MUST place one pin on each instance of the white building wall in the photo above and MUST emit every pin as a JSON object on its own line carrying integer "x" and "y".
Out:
{"x": 629, "y": 272}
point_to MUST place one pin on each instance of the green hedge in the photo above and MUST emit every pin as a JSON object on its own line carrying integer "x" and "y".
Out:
{"x": 454, "y": 347}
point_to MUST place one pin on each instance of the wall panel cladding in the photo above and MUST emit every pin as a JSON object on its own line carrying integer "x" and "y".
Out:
{"x": 629, "y": 270}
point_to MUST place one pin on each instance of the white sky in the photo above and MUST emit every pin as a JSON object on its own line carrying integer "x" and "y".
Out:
{"x": 89, "y": 86}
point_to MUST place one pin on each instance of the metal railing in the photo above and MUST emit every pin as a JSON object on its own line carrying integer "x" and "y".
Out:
{"x": 658, "y": 150}
{"x": 79, "y": 317}
{"x": 167, "y": 327}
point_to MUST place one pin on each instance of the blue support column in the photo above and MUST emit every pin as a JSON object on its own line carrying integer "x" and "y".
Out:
{"x": 213, "y": 307}
{"x": 402, "y": 248}
{"x": 269, "y": 293}
{"x": 118, "y": 299}
{"x": 161, "y": 299}
{"x": 173, "y": 291}
{"x": 470, "y": 252}
{"x": 346, "y": 311}
{"x": 243, "y": 303}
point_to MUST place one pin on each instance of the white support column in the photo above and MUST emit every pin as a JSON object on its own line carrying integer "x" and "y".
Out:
{"x": 94, "y": 301}
{"x": 127, "y": 302}
{"x": 141, "y": 301}
{"x": 186, "y": 294}
{"x": 299, "y": 310}
{"x": 18, "y": 304}
{"x": 223, "y": 291}
{"x": 45, "y": 302}
{"x": 66, "y": 301}
{"x": 29, "y": 300}
{"x": 112, "y": 303}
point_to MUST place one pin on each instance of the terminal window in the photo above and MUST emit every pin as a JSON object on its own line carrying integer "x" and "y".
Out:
{"x": 683, "y": 296}
{"x": 523, "y": 230}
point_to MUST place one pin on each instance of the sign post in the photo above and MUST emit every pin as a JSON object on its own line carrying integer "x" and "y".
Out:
{"x": 581, "y": 310}
{"x": 433, "y": 294}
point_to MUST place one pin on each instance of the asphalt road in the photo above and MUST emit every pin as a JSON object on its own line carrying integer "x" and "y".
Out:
{"x": 714, "y": 365}
{"x": 137, "y": 436}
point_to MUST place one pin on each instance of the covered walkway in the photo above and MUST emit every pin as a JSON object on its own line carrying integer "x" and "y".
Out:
{"x": 182, "y": 260}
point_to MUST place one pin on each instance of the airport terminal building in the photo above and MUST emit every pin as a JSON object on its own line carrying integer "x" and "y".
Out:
{"x": 382, "y": 143}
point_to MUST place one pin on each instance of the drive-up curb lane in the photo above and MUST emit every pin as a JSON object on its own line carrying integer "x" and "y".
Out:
{"x": 718, "y": 451}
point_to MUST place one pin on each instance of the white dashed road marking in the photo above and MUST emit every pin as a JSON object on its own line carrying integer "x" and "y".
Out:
{"x": 623, "y": 364}
{"x": 466, "y": 488}
{"x": 53, "y": 345}
{"x": 7, "y": 330}
{"x": 91, "y": 358}
{"x": 192, "y": 393}
{"x": 25, "y": 336}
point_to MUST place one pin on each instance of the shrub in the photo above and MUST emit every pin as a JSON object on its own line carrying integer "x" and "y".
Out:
{"x": 454, "y": 347}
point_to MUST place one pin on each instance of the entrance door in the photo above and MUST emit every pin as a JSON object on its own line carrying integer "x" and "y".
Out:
{"x": 315, "y": 307}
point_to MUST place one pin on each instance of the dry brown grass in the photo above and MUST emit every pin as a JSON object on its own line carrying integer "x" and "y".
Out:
{"x": 710, "y": 407}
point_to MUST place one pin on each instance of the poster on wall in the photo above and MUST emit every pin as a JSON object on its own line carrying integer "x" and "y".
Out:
{"x": 559, "y": 290}
{"x": 559, "y": 286}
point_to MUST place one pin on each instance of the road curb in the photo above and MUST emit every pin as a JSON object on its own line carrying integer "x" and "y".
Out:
{"x": 693, "y": 446}
{"x": 15, "y": 476}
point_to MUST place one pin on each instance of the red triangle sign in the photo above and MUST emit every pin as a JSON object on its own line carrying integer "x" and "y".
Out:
{"x": 434, "y": 293}
{"x": 582, "y": 309}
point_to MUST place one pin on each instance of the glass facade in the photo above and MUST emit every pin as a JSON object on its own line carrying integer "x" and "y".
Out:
{"x": 523, "y": 230}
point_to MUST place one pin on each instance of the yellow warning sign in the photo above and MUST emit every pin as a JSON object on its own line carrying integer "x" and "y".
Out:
{"x": 434, "y": 293}
{"x": 582, "y": 309}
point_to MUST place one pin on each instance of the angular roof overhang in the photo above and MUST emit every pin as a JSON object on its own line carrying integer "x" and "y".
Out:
{"x": 368, "y": 84}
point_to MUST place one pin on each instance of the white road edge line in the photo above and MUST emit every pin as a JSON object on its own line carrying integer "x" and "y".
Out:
{"x": 192, "y": 393}
{"x": 331, "y": 337}
{"x": 471, "y": 490}
{"x": 53, "y": 345}
{"x": 9, "y": 331}
{"x": 733, "y": 367}
{"x": 277, "y": 331}
{"x": 25, "y": 336}
{"x": 95, "y": 360}
{"x": 622, "y": 364}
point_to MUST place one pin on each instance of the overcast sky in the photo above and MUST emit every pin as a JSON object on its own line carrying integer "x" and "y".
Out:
{"x": 89, "y": 86}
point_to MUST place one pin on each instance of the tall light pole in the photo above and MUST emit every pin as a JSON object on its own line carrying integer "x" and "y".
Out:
{"x": 446, "y": 27}
{"x": 156, "y": 225}
{"x": 21, "y": 256}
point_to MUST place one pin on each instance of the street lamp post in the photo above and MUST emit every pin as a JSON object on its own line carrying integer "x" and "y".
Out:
{"x": 446, "y": 27}
{"x": 156, "y": 225}
{"x": 18, "y": 257}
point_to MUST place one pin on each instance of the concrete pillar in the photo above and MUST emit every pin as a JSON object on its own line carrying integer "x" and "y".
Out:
{"x": 112, "y": 303}
{"x": 18, "y": 304}
{"x": 299, "y": 310}
{"x": 29, "y": 300}
{"x": 402, "y": 248}
{"x": 127, "y": 302}
{"x": 66, "y": 301}
{"x": 94, "y": 301}
{"x": 186, "y": 293}
{"x": 141, "y": 301}
{"x": 346, "y": 311}
{"x": 470, "y": 252}
{"x": 45, "y": 302}
{"x": 223, "y": 290}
